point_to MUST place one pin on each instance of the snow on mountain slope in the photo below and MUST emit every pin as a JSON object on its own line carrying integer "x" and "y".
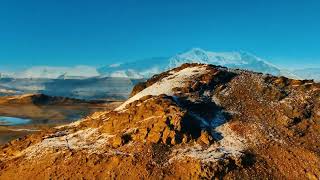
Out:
{"x": 146, "y": 68}
{"x": 165, "y": 86}
{"x": 308, "y": 73}
{"x": 242, "y": 60}
{"x": 200, "y": 56}
{"x": 49, "y": 72}
{"x": 126, "y": 74}
{"x": 136, "y": 69}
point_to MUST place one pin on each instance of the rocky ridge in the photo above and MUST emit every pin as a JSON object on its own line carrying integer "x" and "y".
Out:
{"x": 195, "y": 121}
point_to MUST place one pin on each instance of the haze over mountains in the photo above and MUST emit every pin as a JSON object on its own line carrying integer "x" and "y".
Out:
{"x": 89, "y": 88}
{"x": 115, "y": 81}
{"x": 145, "y": 68}
{"x": 309, "y": 73}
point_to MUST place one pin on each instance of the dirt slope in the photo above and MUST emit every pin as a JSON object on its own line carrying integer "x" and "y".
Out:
{"x": 193, "y": 122}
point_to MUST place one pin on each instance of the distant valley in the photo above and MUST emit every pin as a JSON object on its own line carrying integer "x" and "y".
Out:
{"x": 29, "y": 113}
{"x": 107, "y": 88}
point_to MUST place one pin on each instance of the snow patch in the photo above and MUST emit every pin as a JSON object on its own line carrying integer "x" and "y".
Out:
{"x": 216, "y": 100}
{"x": 28, "y": 130}
{"x": 165, "y": 86}
{"x": 8, "y": 91}
{"x": 126, "y": 74}
{"x": 88, "y": 139}
{"x": 149, "y": 118}
{"x": 231, "y": 145}
{"x": 56, "y": 72}
{"x": 115, "y": 65}
{"x": 74, "y": 124}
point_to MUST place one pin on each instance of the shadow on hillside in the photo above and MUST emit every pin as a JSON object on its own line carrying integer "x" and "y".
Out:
{"x": 203, "y": 116}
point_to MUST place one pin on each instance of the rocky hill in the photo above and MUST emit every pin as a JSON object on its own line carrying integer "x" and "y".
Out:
{"x": 193, "y": 122}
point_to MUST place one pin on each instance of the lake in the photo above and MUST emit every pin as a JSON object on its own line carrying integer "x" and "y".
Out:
{"x": 18, "y": 120}
{"x": 13, "y": 121}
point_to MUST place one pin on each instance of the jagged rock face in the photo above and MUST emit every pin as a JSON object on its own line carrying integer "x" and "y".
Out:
{"x": 196, "y": 121}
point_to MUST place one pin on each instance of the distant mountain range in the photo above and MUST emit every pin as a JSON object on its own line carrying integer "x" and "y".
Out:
{"x": 51, "y": 72}
{"x": 145, "y": 68}
{"x": 108, "y": 88}
{"x": 309, "y": 73}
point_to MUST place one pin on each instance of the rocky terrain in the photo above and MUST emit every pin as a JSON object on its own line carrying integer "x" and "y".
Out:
{"x": 193, "y": 122}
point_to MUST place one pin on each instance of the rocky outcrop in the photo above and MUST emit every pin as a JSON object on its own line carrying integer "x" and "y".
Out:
{"x": 192, "y": 122}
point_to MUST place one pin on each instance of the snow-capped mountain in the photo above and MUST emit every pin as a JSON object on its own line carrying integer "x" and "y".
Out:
{"x": 145, "y": 68}
{"x": 308, "y": 73}
{"x": 242, "y": 60}
{"x": 136, "y": 69}
{"x": 49, "y": 72}
{"x": 148, "y": 67}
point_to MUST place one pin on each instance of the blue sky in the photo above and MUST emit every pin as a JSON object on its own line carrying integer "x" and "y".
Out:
{"x": 93, "y": 32}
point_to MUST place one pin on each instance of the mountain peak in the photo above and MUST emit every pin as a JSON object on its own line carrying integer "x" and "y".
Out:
{"x": 197, "y": 51}
{"x": 145, "y": 68}
{"x": 242, "y": 60}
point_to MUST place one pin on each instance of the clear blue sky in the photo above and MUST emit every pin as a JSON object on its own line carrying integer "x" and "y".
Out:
{"x": 69, "y": 32}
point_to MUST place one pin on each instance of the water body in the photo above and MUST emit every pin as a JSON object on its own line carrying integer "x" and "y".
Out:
{"x": 13, "y": 121}
{"x": 19, "y": 120}
{"x": 14, "y": 127}
{"x": 9, "y": 130}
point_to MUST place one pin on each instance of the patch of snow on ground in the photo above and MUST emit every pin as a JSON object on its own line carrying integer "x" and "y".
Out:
{"x": 117, "y": 152}
{"x": 73, "y": 124}
{"x": 20, "y": 96}
{"x": 88, "y": 139}
{"x": 231, "y": 145}
{"x": 149, "y": 118}
{"x": 231, "y": 142}
{"x": 7, "y": 91}
{"x": 166, "y": 85}
{"x": 216, "y": 100}
{"x": 28, "y": 130}
{"x": 95, "y": 115}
